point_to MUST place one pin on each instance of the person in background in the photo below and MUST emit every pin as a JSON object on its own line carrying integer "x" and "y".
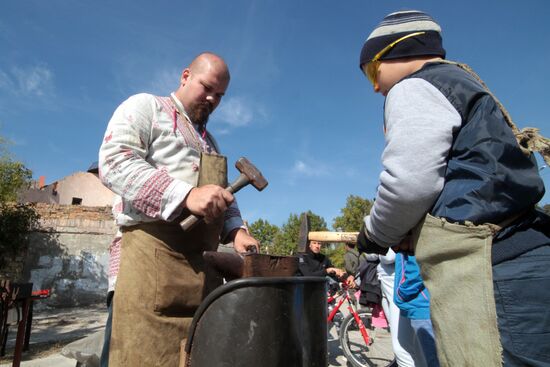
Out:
{"x": 352, "y": 259}
{"x": 387, "y": 275}
{"x": 314, "y": 263}
{"x": 159, "y": 158}
{"x": 412, "y": 300}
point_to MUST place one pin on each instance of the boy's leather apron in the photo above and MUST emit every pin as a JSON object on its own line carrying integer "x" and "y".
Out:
{"x": 455, "y": 263}
{"x": 161, "y": 282}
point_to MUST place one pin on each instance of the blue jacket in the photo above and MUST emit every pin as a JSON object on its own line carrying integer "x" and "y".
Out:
{"x": 410, "y": 295}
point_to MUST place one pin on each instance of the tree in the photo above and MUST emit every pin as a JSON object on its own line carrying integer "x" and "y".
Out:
{"x": 14, "y": 176}
{"x": 335, "y": 252}
{"x": 546, "y": 208}
{"x": 353, "y": 213}
{"x": 16, "y": 220}
{"x": 286, "y": 240}
{"x": 265, "y": 233}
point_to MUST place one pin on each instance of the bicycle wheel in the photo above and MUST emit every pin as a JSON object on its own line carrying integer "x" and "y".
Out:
{"x": 378, "y": 353}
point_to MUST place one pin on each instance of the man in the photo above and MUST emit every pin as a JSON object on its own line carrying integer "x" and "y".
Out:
{"x": 456, "y": 178}
{"x": 351, "y": 259}
{"x": 159, "y": 158}
{"x": 314, "y": 263}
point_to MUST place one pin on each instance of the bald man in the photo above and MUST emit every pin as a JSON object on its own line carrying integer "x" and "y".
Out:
{"x": 163, "y": 164}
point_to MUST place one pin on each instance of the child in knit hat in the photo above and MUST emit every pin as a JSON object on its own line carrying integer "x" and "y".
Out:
{"x": 459, "y": 191}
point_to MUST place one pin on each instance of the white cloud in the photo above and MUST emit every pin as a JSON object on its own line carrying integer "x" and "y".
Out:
{"x": 309, "y": 169}
{"x": 5, "y": 81}
{"x": 235, "y": 112}
{"x": 164, "y": 82}
{"x": 37, "y": 80}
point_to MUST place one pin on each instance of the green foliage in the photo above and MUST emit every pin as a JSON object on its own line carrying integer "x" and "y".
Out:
{"x": 546, "y": 209}
{"x": 265, "y": 233}
{"x": 286, "y": 240}
{"x": 353, "y": 213}
{"x": 16, "y": 220}
{"x": 335, "y": 253}
{"x": 14, "y": 176}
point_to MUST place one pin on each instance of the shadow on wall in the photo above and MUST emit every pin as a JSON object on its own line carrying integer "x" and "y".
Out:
{"x": 75, "y": 274}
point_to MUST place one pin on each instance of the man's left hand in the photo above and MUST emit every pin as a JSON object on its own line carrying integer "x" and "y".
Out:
{"x": 243, "y": 241}
{"x": 350, "y": 281}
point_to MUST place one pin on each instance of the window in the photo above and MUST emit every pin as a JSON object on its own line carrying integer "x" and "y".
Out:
{"x": 76, "y": 201}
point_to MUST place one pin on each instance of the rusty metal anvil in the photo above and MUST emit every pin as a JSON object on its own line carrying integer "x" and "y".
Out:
{"x": 249, "y": 175}
{"x": 321, "y": 236}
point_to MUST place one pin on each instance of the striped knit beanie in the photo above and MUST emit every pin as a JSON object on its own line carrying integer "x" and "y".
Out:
{"x": 397, "y": 25}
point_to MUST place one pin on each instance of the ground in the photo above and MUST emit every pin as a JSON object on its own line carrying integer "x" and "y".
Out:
{"x": 55, "y": 328}
{"x": 52, "y": 329}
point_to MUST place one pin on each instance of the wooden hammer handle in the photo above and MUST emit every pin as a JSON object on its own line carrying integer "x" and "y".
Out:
{"x": 189, "y": 222}
{"x": 333, "y": 236}
{"x": 238, "y": 184}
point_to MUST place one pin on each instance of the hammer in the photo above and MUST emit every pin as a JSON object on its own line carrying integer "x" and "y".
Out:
{"x": 249, "y": 175}
{"x": 324, "y": 236}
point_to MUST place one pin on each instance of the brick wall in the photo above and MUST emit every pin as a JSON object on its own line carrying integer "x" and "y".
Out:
{"x": 76, "y": 218}
{"x": 69, "y": 254}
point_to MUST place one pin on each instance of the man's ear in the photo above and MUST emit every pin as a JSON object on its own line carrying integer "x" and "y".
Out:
{"x": 185, "y": 76}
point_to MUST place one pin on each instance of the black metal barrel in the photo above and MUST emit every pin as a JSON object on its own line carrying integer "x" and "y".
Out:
{"x": 265, "y": 322}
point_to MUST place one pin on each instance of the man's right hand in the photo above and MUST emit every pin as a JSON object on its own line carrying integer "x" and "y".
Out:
{"x": 208, "y": 201}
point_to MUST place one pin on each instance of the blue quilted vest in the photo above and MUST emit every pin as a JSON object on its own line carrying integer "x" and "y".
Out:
{"x": 488, "y": 178}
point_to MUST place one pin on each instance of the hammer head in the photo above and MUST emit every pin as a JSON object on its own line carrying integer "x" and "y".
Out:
{"x": 254, "y": 176}
{"x": 304, "y": 232}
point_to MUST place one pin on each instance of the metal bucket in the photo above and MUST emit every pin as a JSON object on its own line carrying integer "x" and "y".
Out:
{"x": 267, "y": 322}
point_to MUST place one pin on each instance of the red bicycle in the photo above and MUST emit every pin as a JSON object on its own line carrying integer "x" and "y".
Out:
{"x": 364, "y": 342}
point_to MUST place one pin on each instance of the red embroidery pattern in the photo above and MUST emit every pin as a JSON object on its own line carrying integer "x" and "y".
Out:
{"x": 114, "y": 257}
{"x": 190, "y": 137}
{"x": 149, "y": 197}
{"x": 108, "y": 137}
{"x": 129, "y": 184}
{"x": 118, "y": 208}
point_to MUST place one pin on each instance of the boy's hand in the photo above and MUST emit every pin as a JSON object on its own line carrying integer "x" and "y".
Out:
{"x": 406, "y": 246}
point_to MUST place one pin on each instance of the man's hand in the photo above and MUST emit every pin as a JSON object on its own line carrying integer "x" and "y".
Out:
{"x": 208, "y": 201}
{"x": 242, "y": 241}
{"x": 337, "y": 272}
{"x": 350, "y": 281}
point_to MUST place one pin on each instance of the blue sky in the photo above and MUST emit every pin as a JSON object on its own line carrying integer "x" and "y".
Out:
{"x": 297, "y": 106}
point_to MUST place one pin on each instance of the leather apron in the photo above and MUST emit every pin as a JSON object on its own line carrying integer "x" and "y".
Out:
{"x": 455, "y": 264}
{"x": 161, "y": 282}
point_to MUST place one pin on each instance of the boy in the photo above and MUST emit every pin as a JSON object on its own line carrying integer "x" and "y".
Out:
{"x": 457, "y": 180}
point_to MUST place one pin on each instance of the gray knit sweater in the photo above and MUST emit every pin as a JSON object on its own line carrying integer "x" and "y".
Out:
{"x": 419, "y": 124}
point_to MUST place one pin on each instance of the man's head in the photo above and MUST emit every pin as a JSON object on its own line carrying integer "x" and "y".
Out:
{"x": 401, "y": 43}
{"x": 349, "y": 246}
{"x": 202, "y": 85}
{"x": 315, "y": 246}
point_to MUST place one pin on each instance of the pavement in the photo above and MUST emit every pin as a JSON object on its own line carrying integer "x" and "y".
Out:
{"x": 52, "y": 329}
{"x": 55, "y": 328}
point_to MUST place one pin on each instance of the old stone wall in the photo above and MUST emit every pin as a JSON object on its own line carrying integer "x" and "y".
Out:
{"x": 69, "y": 254}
